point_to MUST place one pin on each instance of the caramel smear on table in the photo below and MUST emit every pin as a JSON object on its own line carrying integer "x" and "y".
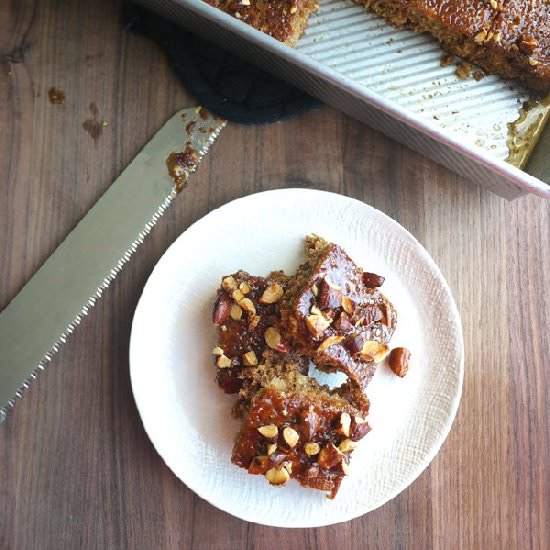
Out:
{"x": 57, "y": 96}
{"x": 94, "y": 126}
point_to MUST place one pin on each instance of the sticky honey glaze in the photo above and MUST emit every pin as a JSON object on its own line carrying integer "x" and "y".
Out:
{"x": 525, "y": 131}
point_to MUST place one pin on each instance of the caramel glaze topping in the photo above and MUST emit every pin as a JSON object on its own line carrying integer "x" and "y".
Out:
{"x": 237, "y": 336}
{"x": 357, "y": 313}
{"x": 315, "y": 420}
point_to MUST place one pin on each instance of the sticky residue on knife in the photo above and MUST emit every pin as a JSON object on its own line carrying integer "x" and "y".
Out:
{"x": 180, "y": 164}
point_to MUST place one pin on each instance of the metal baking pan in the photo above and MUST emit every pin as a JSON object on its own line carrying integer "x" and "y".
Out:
{"x": 392, "y": 80}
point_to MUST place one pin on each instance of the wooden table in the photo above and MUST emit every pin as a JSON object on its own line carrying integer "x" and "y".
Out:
{"x": 76, "y": 468}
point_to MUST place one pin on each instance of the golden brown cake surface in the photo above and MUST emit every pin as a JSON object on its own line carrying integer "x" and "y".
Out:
{"x": 284, "y": 20}
{"x": 507, "y": 37}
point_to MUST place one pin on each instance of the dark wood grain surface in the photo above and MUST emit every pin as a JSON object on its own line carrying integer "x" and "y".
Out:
{"x": 76, "y": 468}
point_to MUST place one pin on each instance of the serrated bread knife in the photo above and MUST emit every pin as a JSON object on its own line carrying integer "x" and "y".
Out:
{"x": 50, "y": 306}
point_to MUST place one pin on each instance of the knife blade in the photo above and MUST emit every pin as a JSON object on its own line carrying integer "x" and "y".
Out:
{"x": 38, "y": 321}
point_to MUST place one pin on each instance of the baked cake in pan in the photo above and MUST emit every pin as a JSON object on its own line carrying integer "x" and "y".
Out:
{"x": 284, "y": 20}
{"x": 506, "y": 37}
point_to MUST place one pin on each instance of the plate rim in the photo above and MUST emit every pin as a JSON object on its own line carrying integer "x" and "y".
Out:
{"x": 454, "y": 403}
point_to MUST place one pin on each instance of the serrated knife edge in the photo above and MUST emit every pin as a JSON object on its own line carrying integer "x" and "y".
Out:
{"x": 201, "y": 142}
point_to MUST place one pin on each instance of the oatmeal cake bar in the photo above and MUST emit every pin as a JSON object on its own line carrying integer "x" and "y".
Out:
{"x": 306, "y": 433}
{"x": 284, "y": 20}
{"x": 284, "y": 372}
{"x": 507, "y": 37}
{"x": 246, "y": 314}
{"x": 334, "y": 313}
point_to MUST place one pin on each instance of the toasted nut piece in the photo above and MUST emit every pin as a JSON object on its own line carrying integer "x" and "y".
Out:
{"x": 274, "y": 340}
{"x": 291, "y": 436}
{"x": 359, "y": 322}
{"x": 236, "y": 312}
{"x": 229, "y": 283}
{"x": 374, "y": 351}
{"x": 277, "y": 477}
{"x": 372, "y": 280}
{"x": 272, "y": 337}
{"x": 346, "y": 446}
{"x": 311, "y": 448}
{"x": 356, "y": 344}
{"x": 330, "y": 341}
{"x": 528, "y": 45}
{"x": 315, "y": 290}
{"x": 317, "y": 324}
{"x": 244, "y": 288}
{"x": 222, "y": 309}
{"x": 344, "y": 424}
{"x": 399, "y": 361}
{"x": 237, "y": 295}
{"x": 480, "y": 36}
{"x": 217, "y": 351}
{"x": 315, "y": 310}
{"x": 330, "y": 295}
{"x": 360, "y": 429}
{"x": 348, "y": 305}
{"x": 272, "y": 294}
{"x": 250, "y": 359}
{"x": 330, "y": 456}
{"x": 270, "y": 431}
{"x": 271, "y": 448}
{"x": 223, "y": 362}
{"x": 311, "y": 471}
{"x": 373, "y": 314}
{"x": 343, "y": 324}
{"x": 283, "y": 347}
{"x": 341, "y": 467}
{"x": 247, "y": 305}
{"x": 327, "y": 281}
{"x": 259, "y": 465}
{"x": 388, "y": 317}
{"x": 254, "y": 320}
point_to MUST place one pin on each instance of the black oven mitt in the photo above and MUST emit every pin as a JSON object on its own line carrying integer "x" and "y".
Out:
{"x": 224, "y": 84}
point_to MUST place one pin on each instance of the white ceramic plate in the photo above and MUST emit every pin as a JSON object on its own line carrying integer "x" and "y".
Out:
{"x": 187, "y": 417}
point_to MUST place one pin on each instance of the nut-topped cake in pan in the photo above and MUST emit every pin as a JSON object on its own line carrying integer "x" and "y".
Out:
{"x": 507, "y": 37}
{"x": 284, "y": 20}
